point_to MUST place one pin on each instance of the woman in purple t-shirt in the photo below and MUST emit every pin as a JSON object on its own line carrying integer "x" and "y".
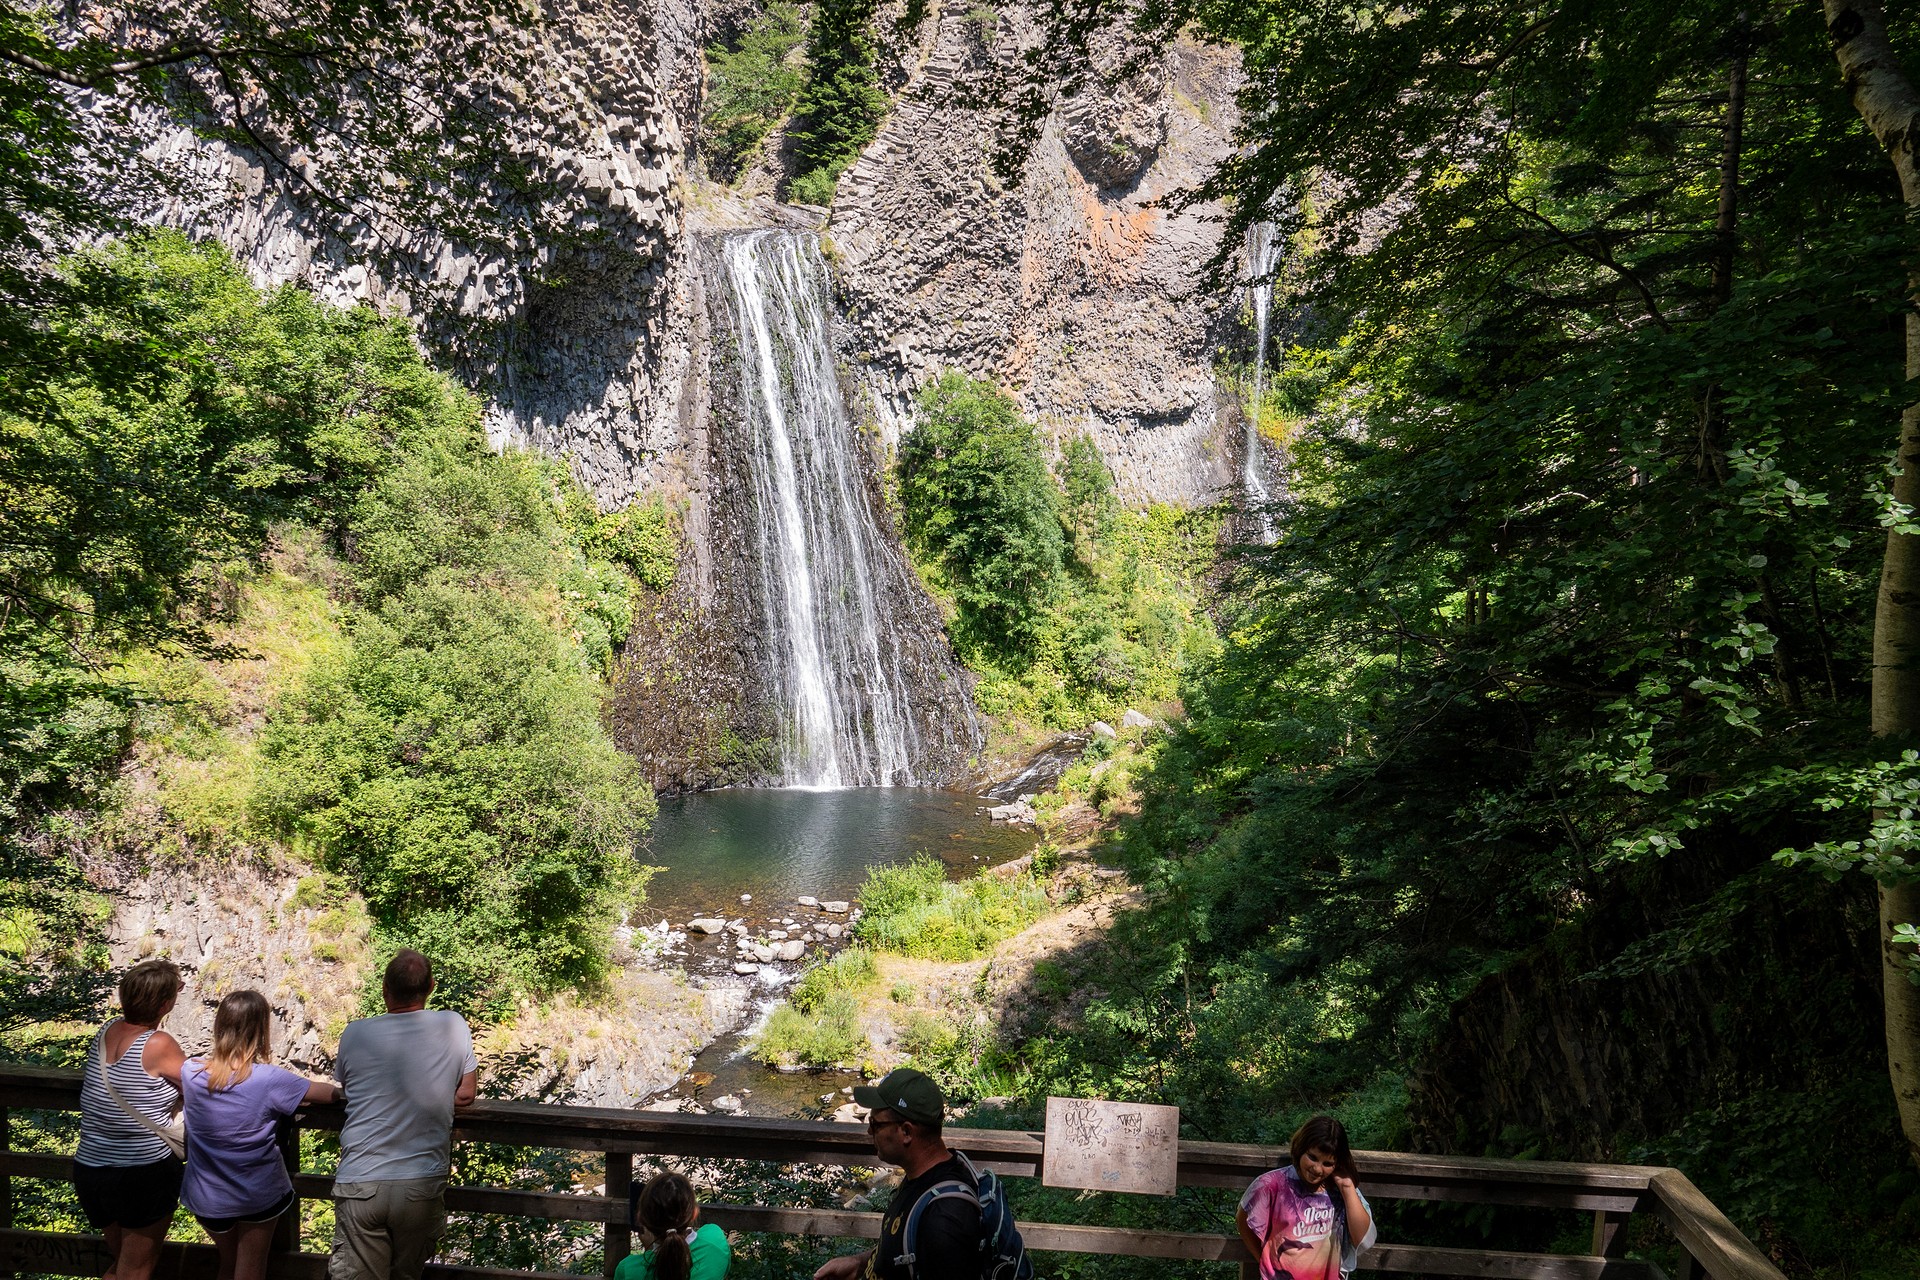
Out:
{"x": 1307, "y": 1220}
{"x": 235, "y": 1183}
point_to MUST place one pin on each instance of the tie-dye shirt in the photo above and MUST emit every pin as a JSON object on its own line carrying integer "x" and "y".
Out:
{"x": 1303, "y": 1233}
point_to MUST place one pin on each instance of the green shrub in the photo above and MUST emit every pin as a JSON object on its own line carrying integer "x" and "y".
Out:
{"x": 638, "y": 537}
{"x": 980, "y": 505}
{"x": 751, "y": 88}
{"x": 816, "y": 186}
{"x": 912, "y": 909}
{"x": 827, "y": 1035}
{"x": 453, "y": 767}
{"x": 847, "y": 971}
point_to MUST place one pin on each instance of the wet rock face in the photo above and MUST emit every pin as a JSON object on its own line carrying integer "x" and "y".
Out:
{"x": 698, "y": 699}
{"x": 1075, "y": 288}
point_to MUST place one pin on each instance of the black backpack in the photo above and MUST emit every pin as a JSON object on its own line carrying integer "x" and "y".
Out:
{"x": 1003, "y": 1254}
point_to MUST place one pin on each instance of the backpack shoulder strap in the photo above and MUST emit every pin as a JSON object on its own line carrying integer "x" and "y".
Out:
{"x": 949, "y": 1189}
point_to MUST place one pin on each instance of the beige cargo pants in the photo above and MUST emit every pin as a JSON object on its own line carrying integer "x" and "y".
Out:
{"x": 386, "y": 1230}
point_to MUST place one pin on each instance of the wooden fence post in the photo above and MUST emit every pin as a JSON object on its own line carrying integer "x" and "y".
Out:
{"x": 6, "y": 1181}
{"x": 619, "y": 1234}
{"x": 1610, "y": 1233}
{"x": 286, "y": 1232}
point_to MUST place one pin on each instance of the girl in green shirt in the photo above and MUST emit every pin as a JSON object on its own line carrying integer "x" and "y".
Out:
{"x": 666, "y": 1216}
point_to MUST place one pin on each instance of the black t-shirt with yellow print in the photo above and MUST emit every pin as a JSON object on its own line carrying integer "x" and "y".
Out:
{"x": 949, "y": 1232}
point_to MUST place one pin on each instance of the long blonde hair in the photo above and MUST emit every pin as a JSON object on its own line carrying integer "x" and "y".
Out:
{"x": 242, "y": 1036}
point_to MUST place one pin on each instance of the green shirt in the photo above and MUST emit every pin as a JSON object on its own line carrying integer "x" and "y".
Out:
{"x": 711, "y": 1254}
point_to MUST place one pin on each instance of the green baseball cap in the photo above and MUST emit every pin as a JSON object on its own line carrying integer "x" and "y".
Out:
{"x": 906, "y": 1091}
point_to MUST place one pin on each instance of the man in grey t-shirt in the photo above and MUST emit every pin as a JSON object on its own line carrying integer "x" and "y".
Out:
{"x": 403, "y": 1074}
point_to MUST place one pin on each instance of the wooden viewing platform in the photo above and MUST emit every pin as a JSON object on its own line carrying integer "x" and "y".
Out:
{"x": 1709, "y": 1245}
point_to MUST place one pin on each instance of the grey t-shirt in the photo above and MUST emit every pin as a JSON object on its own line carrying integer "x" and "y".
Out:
{"x": 399, "y": 1072}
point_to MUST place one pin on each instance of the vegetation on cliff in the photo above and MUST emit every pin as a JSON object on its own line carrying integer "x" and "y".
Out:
{"x": 436, "y": 740}
{"x": 751, "y": 87}
{"x": 842, "y": 104}
{"x": 1068, "y": 605}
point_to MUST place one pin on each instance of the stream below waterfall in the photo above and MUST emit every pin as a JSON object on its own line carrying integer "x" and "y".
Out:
{"x": 777, "y": 845}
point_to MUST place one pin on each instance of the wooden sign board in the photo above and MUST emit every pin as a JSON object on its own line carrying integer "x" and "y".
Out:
{"x": 1111, "y": 1146}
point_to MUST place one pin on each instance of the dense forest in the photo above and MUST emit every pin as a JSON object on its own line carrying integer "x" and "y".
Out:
{"x": 1571, "y": 713}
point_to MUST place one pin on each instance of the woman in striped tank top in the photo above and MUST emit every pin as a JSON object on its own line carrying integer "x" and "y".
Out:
{"x": 127, "y": 1177}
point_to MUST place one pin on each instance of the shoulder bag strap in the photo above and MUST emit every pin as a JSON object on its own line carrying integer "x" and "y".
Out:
{"x": 174, "y": 1135}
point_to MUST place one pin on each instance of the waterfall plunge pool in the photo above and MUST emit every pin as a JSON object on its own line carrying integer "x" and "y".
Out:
{"x": 779, "y": 844}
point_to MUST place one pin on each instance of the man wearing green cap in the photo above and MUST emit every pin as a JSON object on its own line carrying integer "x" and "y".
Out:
{"x": 906, "y": 1113}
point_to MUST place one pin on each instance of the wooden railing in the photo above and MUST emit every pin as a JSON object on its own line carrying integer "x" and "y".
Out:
{"x": 1709, "y": 1245}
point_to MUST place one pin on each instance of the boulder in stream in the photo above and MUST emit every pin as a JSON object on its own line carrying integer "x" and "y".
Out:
{"x": 834, "y": 908}
{"x": 743, "y": 968}
{"x": 790, "y": 950}
{"x": 706, "y": 924}
{"x": 807, "y": 900}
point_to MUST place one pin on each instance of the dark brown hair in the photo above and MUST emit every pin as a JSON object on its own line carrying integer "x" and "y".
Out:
{"x": 409, "y": 977}
{"x": 146, "y": 988}
{"x": 1326, "y": 1134}
{"x": 667, "y": 1209}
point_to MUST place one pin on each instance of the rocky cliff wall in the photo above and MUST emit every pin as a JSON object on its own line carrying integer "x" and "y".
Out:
{"x": 1077, "y": 287}
{"x": 572, "y": 322}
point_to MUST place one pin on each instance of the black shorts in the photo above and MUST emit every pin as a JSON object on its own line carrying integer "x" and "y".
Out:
{"x": 214, "y": 1226}
{"x": 129, "y": 1196}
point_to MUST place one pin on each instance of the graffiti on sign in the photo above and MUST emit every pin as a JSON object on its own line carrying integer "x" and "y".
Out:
{"x": 1111, "y": 1146}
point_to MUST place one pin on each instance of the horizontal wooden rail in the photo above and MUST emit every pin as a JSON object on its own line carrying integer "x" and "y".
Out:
{"x": 1610, "y": 1192}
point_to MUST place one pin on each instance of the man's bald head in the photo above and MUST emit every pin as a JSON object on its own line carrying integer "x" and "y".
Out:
{"x": 408, "y": 981}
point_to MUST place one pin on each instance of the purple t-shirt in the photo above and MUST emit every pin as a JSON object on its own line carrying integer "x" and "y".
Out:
{"x": 233, "y": 1167}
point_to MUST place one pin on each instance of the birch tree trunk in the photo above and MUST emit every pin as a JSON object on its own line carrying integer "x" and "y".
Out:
{"x": 1886, "y": 100}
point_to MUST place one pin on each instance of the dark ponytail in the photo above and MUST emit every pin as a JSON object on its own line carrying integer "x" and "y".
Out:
{"x": 667, "y": 1209}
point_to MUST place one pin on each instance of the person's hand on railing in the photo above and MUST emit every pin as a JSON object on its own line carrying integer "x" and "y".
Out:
{"x": 847, "y": 1267}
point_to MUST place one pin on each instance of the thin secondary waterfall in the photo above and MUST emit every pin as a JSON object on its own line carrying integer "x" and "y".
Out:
{"x": 843, "y": 697}
{"x": 1263, "y": 251}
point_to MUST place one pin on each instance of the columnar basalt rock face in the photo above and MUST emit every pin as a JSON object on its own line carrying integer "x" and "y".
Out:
{"x": 574, "y": 323}
{"x": 1076, "y": 288}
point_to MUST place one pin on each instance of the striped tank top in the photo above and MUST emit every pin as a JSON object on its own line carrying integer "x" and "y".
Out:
{"x": 109, "y": 1137}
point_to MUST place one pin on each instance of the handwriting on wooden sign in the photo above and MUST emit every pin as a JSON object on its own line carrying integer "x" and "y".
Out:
{"x": 1112, "y": 1146}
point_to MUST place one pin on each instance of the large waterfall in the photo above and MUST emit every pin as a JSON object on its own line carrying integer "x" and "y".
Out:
{"x": 1263, "y": 252}
{"x": 843, "y": 704}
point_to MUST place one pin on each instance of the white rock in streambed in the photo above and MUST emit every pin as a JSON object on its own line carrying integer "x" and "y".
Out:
{"x": 727, "y": 1102}
{"x": 794, "y": 950}
{"x": 1017, "y": 811}
{"x": 706, "y": 924}
{"x": 743, "y": 968}
{"x": 834, "y": 930}
{"x": 834, "y": 908}
{"x": 808, "y": 901}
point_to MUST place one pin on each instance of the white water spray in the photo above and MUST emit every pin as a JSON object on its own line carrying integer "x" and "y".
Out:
{"x": 1263, "y": 251}
{"x": 843, "y": 698}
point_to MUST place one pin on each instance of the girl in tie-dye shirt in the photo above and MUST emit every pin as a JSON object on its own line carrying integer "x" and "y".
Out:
{"x": 1307, "y": 1220}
